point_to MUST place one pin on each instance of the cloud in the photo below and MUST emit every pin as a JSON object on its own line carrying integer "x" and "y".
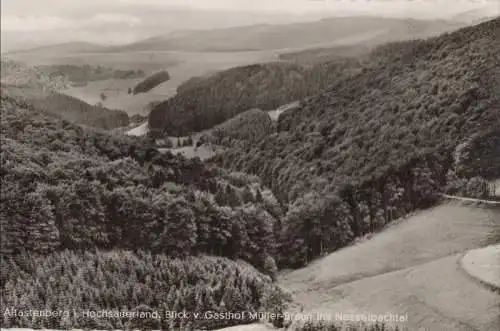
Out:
{"x": 37, "y": 23}
{"x": 116, "y": 19}
{"x": 46, "y": 23}
{"x": 431, "y": 7}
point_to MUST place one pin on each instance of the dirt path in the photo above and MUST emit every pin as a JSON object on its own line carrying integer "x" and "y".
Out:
{"x": 488, "y": 202}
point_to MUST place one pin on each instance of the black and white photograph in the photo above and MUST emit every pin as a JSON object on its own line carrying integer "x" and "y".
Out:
{"x": 263, "y": 165}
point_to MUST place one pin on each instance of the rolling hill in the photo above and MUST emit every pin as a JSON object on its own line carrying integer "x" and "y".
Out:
{"x": 328, "y": 31}
{"x": 103, "y": 221}
{"x": 65, "y": 48}
{"x": 379, "y": 143}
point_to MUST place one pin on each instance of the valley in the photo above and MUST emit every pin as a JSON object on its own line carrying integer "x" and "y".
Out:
{"x": 300, "y": 168}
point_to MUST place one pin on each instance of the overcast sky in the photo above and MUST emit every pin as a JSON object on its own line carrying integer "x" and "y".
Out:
{"x": 123, "y": 21}
{"x": 25, "y": 14}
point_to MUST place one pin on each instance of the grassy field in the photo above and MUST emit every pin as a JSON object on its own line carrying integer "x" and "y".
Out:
{"x": 410, "y": 267}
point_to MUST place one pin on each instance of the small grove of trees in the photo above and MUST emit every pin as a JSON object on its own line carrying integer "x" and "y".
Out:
{"x": 151, "y": 82}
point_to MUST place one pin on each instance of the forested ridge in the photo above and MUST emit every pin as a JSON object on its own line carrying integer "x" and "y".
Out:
{"x": 66, "y": 107}
{"x": 252, "y": 125}
{"x": 65, "y": 187}
{"x": 203, "y": 103}
{"x": 380, "y": 143}
{"x": 326, "y": 54}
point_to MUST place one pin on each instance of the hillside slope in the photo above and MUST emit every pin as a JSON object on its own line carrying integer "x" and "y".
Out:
{"x": 209, "y": 101}
{"x": 378, "y": 144}
{"x": 411, "y": 267}
{"x": 252, "y": 125}
{"x": 325, "y": 54}
{"x": 76, "y": 201}
{"x": 38, "y": 89}
{"x": 66, "y": 107}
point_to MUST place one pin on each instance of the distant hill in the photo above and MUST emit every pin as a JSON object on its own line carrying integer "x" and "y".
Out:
{"x": 329, "y": 31}
{"x": 64, "y": 48}
{"x": 476, "y": 16}
{"x": 381, "y": 140}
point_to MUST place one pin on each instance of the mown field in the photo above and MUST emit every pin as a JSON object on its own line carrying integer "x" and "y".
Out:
{"x": 412, "y": 267}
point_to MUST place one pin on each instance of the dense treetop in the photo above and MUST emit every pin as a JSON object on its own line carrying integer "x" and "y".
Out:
{"x": 411, "y": 99}
{"x": 74, "y": 196}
